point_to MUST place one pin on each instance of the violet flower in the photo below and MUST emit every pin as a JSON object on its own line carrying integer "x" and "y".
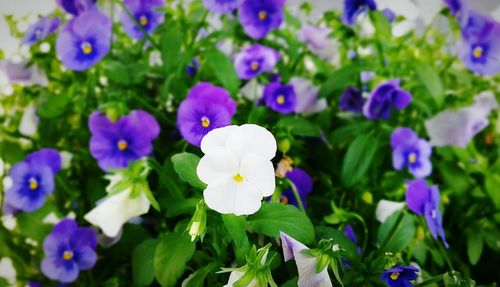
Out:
{"x": 255, "y": 60}
{"x": 68, "y": 249}
{"x": 40, "y": 30}
{"x": 145, "y": 14}
{"x": 458, "y": 8}
{"x": 115, "y": 144}
{"x": 22, "y": 74}
{"x": 84, "y": 40}
{"x": 222, "y": 6}
{"x": 410, "y": 151}
{"x": 389, "y": 14}
{"x": 280, "y": 98}
{"x": 319, "y": 42}
{"x": 353, "y": 8}
{"x": 399, "y": 276}
{"x": 259, "y": 17}
{"x": 303, "y": 183}
{"x": 386, "y": 96}
{"x": 76, "y": 7}
{"x": 33, "y": 180}
{"x": 424, "y": 200}
{"x": 352, "y": 101}
{"x": 192, "y": 68}
{"x": 206, "y": 107}
{"x": 307, "y": 96}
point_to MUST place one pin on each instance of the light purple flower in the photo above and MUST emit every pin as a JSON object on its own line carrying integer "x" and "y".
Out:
{"x": 382, "y": 100}
{"x": 40, "y": 30}
{"x": 33, "y": 180}
{"x": 389, "y": 14}
{"x": 255, "y": 60}
{"x": 84, "y": 40}
{"x": 77, "y": 7}
{"x": 319, "y": 42}
{"x": 307, "y": 96}
{"x": 206, "y": 107}
{"x": 410, "y": 151}
{"x": 68, "y": 249}
{"x": 367, "y": 76}
{"x": 280, "y": 98}
{"x": 22, "y": 74}
{"x": 115, "y": 144}
{"x": 424, "y": 200}
{"x": 222, "y": 6}
{"x": 259, "y": 17}
{"x": 145, "y": 14}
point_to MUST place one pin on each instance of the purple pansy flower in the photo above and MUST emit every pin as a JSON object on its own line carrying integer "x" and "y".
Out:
{"x": 76, "y": 7}
{"x": 410, "y": 151}
{"x": 145, "y": 14}
{"x": 386, "y": 96}
{"x": 23, "y": 74}
{"x": 40, "y": 30}
{"x": 304, "y": 184}
{"x": 400, "y": 276}
{"x": 353, "y": 8}
{"x": 68, "y": 249}
{"x": 33, "y": 180}
{"x": 192, "y": 68}
{"x": 424, "y": 200}
{"x": 222, "y": 6}
{"x": 255, "y": 60}
{"x": 480, "y": 46}
{"x": 280, "y": 98}
{"x": 115, "y": 144}
{"x": 352, "y": 101}
{"x": 84, "y": 40}
{"x": 206, "y": 107}
{"x": 259, "y": 17}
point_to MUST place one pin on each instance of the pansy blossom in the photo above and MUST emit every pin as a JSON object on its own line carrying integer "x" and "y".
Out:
{"x": 399, "y": 276}
{"x": 255, "y": 60}
{"x": 408, "y": 150}
{"x": 280, "y": 97}
{"x": 384, "y": 98}
{"x": 40, "y": 30}
{"x": 259, "y": 17}
{"x": 76, "y": 7}
{"x": 353, "y": 8}
{"x": 145, "y": 14}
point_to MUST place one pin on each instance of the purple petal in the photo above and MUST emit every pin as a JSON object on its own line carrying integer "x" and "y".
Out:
{"x": 85, "y": 257}
{"x": 208, "y": 93}
{"x": 65, "y": 272}
{"x": 46, "y": 156}
{"x": 250, "y": 17}
{"x": 290, "y": 246}
{"x": 255, "y": 60}
{"x": 84, "y": 236}
{"x": 222, "y": 6}
{"x": 403, "y": 137}
{"x": 422, "y": 169}
{"x": 417, "y": 196}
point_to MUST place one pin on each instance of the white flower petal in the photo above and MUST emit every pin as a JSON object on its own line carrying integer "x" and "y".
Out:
{"x": 306, "y": 265}
{"x": 235, "y": 276}
{"x": 386, "y": 208}
{"x": 252, "y": 138}
{"x": 216, "y": 138}
{"x": 220, "y": 164}
{"x": 117, "y": 209}
{"x": 290, "y": 246}
{"x": 259, "y": 172}
{"x": 248, "y": 199}
{"x": 232, "y": 197}
{"x": 7, "y": 270}
{"x": 29, "y": 122}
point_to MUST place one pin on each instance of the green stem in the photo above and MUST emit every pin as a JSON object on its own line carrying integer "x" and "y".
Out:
{"x": 393, "y": 231}
{"x": 297, "y": 196}
{"x": 144, "y": 32}
{"x": 430, "y": 281}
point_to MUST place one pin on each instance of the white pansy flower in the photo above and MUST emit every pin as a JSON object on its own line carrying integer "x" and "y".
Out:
{"x": 29, "y": 122}
{"x": 237, "y": 168}
{"x": 7, "y": 270}
{"x": 386, "y": 208}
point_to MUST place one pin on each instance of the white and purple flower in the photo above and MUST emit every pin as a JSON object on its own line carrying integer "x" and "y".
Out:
{"x": 408, "y": 150}
{"x": 353, "y": 8}
{"x": 40, "y": 30}
{"x": 307, "y": 96}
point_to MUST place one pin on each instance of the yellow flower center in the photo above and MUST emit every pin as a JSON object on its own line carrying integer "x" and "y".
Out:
{"x": 86, "y": 48}
{"x": 205, "y": 122}
{"x": 395, "y": 276}
{"x": 33, "y": 184}
{"x": 280, "y": 100}
{"x": 122, "y": 145}
{"x": 412, "y": 158}
{"x": 143, "y": 20}
{"x": 238, "y": 178}
{"x": 67, "y": 255}
{"x": 478, "y": 52}
{"x": 262, "y": 15}
{"x": 255, "y": 66}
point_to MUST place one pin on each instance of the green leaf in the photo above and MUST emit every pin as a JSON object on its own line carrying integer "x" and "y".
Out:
{"x": 339, "y": 80}
{"x": 275, "y": 217}
{"x": 171, "y": 256}
{"x": 31, "y": 224}
{"x": 325, "y": 232}
{"x": 299, "y": 127}
{"x": 223, "y": 69}
{"x": 383, "y": 29}
{"x": 358, "y": 158}
{"x": 171, "y": 43}
{"x": 143, "y": 262}
{"x": 492, "y": 188}
{"x": 474, "y": 246}
{"x": 198, "y": 278}
{"x": 236, "y": 227}
{"x": 431, "y": 80}
{"x": 51, "y": 105}
{"x": 185, "y": 165}
{"x": 402, "y": 236}
{"x": 117, "y": 72}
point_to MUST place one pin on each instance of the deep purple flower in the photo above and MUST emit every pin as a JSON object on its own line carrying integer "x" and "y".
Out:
{"x": 40, "y": 30}
{"x": 280, "y": 98}
{"x": 76, "y": 7}
{"x": 145, "y": 14}
{"x": 68, "y": 249}
{"x": 352, "y": 101}
{"x": 84, "y": 40}
{"x": 424, "y": 200}
{"x": 222, "y": 6}
{"x": 353, "y": 8}
{"x": 386, "y": 96}
{"x": 400, "y": 276}
{"x": 255, "y": 60}
{"x": 259, "y": 17}
{"x": 33, "y": 180}
{"x": 457, "y": 7}
{"x": 206, "y": 107}
{"x": 115, "y": 144}
{"x": 192, "y": 69}
{"x": 480, "y": 46}
{"x": 410, "y": 151}
{"x": 303, "y": 183}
